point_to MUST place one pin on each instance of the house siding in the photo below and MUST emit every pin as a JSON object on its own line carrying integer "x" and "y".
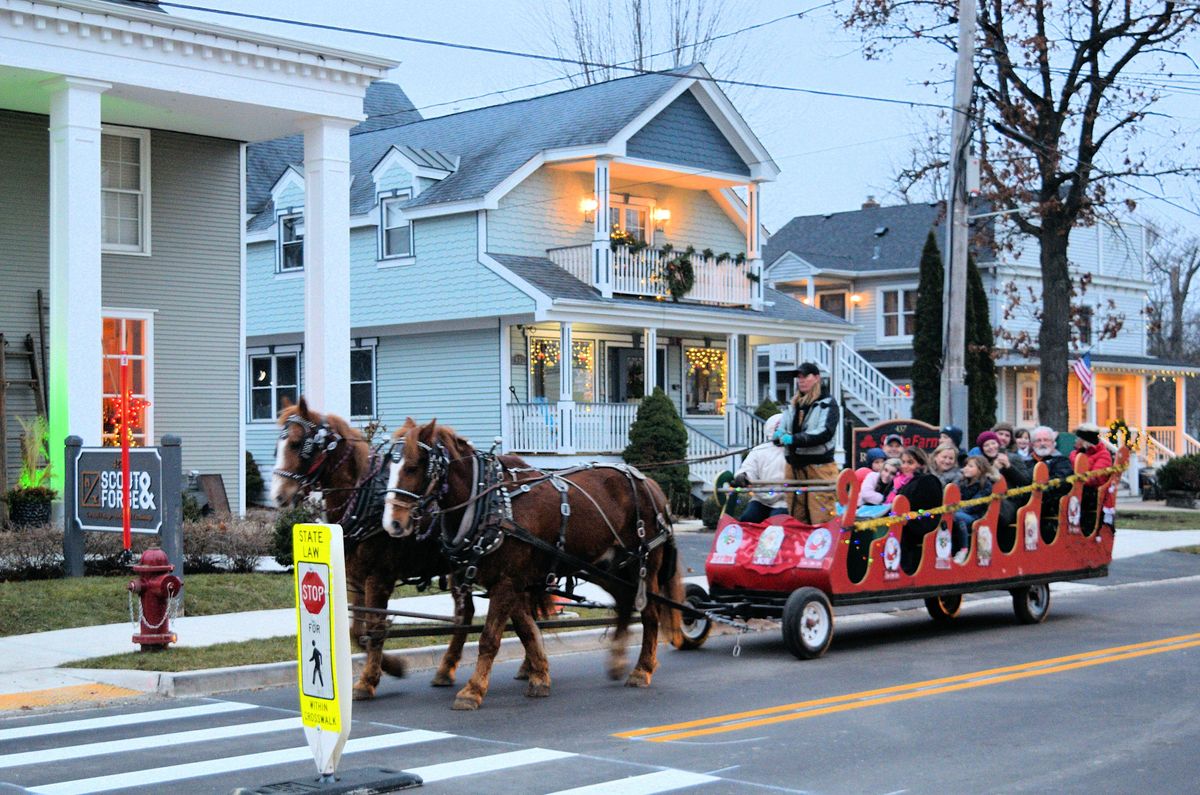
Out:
{"x": 192, "y": 280}
{"x": 394, "y": 178}
{"x": 685, "y": 135}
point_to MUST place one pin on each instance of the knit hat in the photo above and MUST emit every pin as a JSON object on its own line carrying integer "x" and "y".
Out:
{"x": 985, "y": 437}
{"x": 955, "y": 433}
{"x": 1089, "y": 433}
{"x": 875, "y": 454}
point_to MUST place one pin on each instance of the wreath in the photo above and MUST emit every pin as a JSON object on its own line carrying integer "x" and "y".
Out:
{"x": 678, "y": 272}
{"x": 1120, "y": 433}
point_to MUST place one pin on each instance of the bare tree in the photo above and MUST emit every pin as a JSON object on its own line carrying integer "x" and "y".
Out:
{"x": 1059, "y": 121}
{"x": 641, "y": 34}
{"x": 1173, "y": 257}
{"x": 922, "y": 174}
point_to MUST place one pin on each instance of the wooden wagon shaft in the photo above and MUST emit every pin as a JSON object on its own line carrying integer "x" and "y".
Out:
{"x": 474, "y": 629}
{"x": 404, "y": 613}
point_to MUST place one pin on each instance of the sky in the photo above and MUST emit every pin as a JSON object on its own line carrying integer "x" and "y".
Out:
{"x": 833, "y": 152}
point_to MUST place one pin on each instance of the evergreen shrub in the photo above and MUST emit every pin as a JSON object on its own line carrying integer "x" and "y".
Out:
{"x": 658, "y": 435}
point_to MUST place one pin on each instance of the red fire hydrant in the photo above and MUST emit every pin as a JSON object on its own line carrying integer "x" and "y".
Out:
{"x": 155, "y": 586}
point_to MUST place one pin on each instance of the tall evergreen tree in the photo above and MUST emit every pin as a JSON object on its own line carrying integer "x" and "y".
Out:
{"x": 658, "y": 435}
{"x": 927, "y": 338}
{"x": 981, "y": 368}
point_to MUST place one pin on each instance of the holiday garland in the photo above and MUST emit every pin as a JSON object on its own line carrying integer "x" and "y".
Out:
{"x": 1119, "y": 432}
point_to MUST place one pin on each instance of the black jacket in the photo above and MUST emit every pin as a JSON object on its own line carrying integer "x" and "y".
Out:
{"x": 813, "y": 428}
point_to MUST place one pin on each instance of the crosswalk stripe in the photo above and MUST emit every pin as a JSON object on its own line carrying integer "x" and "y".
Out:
{"x": 149, "y": 741}
{"x": 648, "y": 784}
{"x": 486, "y": 764}
{"x": 133, "y": 718}
{"x": 158, "y": 776}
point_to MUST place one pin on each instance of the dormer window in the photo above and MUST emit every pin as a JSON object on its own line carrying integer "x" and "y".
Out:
{"x": 395, "y": 231}
{"x": 291, "y": 243}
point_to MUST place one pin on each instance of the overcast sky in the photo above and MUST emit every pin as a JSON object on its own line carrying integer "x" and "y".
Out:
{"x": 833, "y": 151}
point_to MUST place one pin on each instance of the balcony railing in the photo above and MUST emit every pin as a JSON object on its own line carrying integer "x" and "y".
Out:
{"x": 642, "y": 273}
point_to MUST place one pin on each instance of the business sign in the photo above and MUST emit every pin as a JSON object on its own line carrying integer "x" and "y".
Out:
{"x": 914, "y": 433}
{"x": 322, "y": 641}
{"x": 98, "y": 493}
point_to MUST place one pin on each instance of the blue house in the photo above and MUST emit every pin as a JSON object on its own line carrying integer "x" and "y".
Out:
{"x": 512, "y": 267}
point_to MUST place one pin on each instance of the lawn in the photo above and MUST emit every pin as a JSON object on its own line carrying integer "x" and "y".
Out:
{"x": 1158, "y": 520}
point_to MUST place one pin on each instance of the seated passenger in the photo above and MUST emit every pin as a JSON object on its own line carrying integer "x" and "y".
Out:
{"x": 875, "y": 459}
{"x": 877, "y": 485}
{"x": 1023, "y": 445}
{"x": 976, "y": 481}
{"x": 944, "y": 463}
{"x": 765, "y": 463}
{"x": 1089, "y": 445}
{"x": 1045, "y": 450}
{"x": 923, "y": 491}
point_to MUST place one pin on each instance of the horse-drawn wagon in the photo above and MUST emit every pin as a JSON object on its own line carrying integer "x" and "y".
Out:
{"x": 798, "y": 573}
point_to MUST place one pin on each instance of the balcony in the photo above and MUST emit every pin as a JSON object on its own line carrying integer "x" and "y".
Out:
{"x": 642, "y": 273}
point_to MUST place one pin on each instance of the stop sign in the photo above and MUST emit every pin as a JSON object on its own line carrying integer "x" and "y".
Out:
{"x": 312, "y": 592}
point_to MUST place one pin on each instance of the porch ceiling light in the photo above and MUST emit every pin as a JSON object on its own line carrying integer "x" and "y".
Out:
{"x": 587, "y": 206}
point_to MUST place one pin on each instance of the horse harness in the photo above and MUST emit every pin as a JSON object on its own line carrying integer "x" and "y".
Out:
{"x": 319, "y": 442}
{"x": 488, "y": 516}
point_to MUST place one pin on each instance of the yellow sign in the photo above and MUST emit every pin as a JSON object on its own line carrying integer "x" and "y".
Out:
{"x": 322, "y": 640}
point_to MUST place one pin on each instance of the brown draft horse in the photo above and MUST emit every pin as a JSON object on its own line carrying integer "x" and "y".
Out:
{"x": 325, "y": 453}
{"x": 434, "y": 466}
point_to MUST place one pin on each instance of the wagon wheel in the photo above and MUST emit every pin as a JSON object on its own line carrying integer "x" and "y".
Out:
{"x": 1031, "y": 603}
{"x": 944, "y": 608}
{"x": 694, "y": 630}
{"x": 807, "y": 623}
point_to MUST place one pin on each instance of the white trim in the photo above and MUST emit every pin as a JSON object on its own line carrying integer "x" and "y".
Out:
{"x": 242, "y": 408}
{"x": 280, "y": 270}
{"x": 382, "y": 200}
{"x": 882, "y": 339}
{"x": 505, "y": 331}
{"x": 272, "y": 352}
{"x": 450, "y": 208}
{"x": 848, "y": 309}
{"x": 290, "y": 178}
{"x": 394, "y": 156}
{"x": 541, "y": 301}
{"x": 146, "y": 316}
{"x": 696, "y": 321}
{"x": 730, "y": 122}
{"x": 659, "y": 165}
{"x": 144, "y": 153}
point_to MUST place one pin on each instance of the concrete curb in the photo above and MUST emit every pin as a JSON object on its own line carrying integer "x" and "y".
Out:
{"x": 253, "y": 677}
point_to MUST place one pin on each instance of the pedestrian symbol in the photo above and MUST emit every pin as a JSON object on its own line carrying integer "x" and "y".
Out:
{"x": 315, "y": 659}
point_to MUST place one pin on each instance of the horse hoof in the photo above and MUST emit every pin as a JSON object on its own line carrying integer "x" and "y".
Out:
{"x": 442, "y": 680}
{"x": 522, "y": 674}
{"x": 537, "y": 691}
{"x": 638, "y": 679}
{"x": 362, "y": 693}
{"x": 464, "y": 703}
{"x": 616, "y": 670}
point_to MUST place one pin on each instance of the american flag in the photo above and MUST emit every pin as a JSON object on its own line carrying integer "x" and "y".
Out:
{"x": 1083, "y": 371}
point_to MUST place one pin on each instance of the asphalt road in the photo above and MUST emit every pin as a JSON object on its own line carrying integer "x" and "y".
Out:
{"x": 1100, "y": 698}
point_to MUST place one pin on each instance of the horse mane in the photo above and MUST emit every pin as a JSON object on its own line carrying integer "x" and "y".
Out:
{"x": 430, "y": 433}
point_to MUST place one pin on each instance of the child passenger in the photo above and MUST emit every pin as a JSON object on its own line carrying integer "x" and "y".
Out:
{"x": 976, "y": 481}
{"x": 877, "y": 485}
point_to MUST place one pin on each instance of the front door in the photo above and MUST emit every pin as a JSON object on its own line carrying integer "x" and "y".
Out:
{"x": 627, "y": 374}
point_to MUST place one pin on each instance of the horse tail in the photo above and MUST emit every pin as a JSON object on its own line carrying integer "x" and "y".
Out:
{"x": 670, "y": 584}
{"x": 541, "y": 605}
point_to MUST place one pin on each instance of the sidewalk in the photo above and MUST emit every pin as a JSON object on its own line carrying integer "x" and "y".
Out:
{"x": 34, "y": 680}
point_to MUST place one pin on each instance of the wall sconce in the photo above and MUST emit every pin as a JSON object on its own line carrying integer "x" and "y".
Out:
{"x": 804, "y": 300}
{"x": 587, "y": 206}
{"x": 855, "y": 298}
{"x": 660, "y": 215}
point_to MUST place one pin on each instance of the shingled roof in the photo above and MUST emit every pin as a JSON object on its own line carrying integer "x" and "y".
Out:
{"x": 490, "y": 143}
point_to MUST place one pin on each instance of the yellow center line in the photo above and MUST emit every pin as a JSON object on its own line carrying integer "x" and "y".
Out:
{"x": 886, "y": 695}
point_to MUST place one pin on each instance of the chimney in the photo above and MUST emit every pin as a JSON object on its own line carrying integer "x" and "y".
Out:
{"x": 870, "y": 203}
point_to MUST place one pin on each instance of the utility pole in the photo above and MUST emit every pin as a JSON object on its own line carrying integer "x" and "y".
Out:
{"x": 954, "y": 390}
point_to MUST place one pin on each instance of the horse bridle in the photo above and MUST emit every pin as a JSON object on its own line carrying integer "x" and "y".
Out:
{"x": 437, "y": 466}
{"x": 319, "y": 441}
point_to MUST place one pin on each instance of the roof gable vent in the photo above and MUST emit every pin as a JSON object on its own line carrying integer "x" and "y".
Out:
{"x": 880, "y": 231}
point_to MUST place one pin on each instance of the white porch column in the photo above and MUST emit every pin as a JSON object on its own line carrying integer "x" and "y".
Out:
{"x": 505, "y": 386}
{"x": 76, "y": 329}
{"x": 733, "y": 378}
{"x": 835, "y": 389}
{"x": 772, "y": 385}
{"x": 602, "y": 271}
{"x": 649, "y": 360}
{"x": 753, "y": 247}
{"x": 566, "y": 390}
{"x": 810, "y": 291}
{"x": 327, "y": 264}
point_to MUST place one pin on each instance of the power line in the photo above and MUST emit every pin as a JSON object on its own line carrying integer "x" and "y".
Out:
{"x": 548, "y": 58}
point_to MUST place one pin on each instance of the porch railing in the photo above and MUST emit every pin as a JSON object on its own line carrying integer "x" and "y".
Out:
{"x": 533, "y": 427}
{"x": 876, "y": 395}
{"x": 603, "y": 427}
{"x": 701, "y": 445}
{"x": 641, "y": 273}
{"x": 745, "y": 427}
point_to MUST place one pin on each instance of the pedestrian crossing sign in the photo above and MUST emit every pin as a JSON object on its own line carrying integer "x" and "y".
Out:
{"x": 322, "y": 640}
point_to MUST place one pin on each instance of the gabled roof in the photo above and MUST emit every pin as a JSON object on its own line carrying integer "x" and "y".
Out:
{"x": 864, "y": 241}
{"x": 557, "y": 283}
{"x": 491, "y": 143}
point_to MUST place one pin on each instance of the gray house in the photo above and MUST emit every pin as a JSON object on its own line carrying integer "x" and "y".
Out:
{"x": 122, "y": 203}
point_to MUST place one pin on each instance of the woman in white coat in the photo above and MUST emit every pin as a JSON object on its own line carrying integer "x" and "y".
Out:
{"x": 765, "y": 463}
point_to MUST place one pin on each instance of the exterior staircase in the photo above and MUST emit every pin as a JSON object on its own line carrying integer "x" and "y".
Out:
{"x": 865, "y": 391}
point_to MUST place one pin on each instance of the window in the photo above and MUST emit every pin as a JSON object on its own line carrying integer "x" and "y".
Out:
{"x": 544, "y": 355}
{"x": 130, "y": 335}
{"x": 1083, "y": 324}
{"x": 125, "y": 190}
{"x": 362, "y": 381}
{"x": 628, "y": 218}
{"x": 705, "y": 380}
{"x": 833, "y": 303}
{"x": 396, "y": 234}
{"x": 273, "y": 377}
{"x": 1027, "y": 397}
{"x": 291, "y": 243}
{"x": 898, "y": 312}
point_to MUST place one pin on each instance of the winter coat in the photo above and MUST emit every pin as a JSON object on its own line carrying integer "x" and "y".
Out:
{"x": 971, "y": 490}
{"x": 951, "y": 475}
{"x": 812, "y": 428}
{"x": 766, "y": 463}
{"x": 871, "y": 492}
{"x": 1098, "y": 457}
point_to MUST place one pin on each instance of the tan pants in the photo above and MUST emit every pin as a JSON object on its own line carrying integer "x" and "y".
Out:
{"x": 818, "y": 506}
